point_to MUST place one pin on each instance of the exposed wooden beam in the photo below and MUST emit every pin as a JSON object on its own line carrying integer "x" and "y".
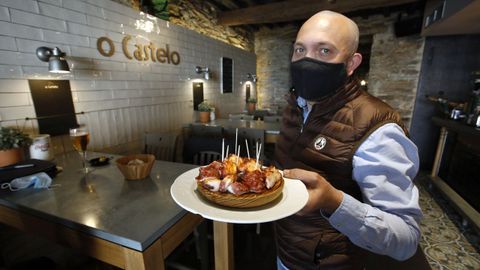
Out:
{"x": 293, "y": 10}
{"x": 227, "y": 3}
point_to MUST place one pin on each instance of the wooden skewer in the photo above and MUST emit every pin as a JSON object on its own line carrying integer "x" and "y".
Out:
{"x": 246, "y": 145}
{"x": 256, "y": 154}
{"x": 223, "y": 148}
{"x": 238, "y": 154}
{"x": 259, "y": 150}
{"x": 236, "y": 138}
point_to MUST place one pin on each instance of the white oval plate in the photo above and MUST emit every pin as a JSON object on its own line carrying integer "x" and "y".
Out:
{"x": 184, "y": 193}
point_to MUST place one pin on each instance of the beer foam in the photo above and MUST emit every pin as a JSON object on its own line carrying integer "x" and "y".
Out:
{"x": 78, "y": 134}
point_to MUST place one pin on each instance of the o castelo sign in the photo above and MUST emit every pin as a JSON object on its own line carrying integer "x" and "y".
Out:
{"x": 142, "y": 52}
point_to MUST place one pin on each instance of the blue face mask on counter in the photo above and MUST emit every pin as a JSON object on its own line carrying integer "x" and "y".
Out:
{"x": 38, "y": 180}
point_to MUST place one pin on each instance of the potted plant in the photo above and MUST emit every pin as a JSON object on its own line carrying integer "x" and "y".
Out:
{"x": 251, "y": 104}
{"x": 12, "y": 143}
{"x": 204, "y": 108}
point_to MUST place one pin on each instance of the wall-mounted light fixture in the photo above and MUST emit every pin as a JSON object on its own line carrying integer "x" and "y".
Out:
{"x": 55, "y": 58}
{"x": 205, "y": 71}
{"x": 252, "y": 77}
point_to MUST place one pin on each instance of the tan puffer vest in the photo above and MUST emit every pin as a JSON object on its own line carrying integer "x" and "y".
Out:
{"x": 342, "y": 121}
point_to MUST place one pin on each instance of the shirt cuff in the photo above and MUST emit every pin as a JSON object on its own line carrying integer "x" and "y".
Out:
{"x": 349, "y": 216}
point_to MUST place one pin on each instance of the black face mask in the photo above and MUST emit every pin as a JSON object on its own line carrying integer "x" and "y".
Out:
{"x": 314, "y": 79}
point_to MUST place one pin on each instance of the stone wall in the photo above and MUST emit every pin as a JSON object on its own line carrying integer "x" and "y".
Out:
{"x": 273, "y": 49}
{"x": 394, "y": 64}
{"x": 201, "y": 16}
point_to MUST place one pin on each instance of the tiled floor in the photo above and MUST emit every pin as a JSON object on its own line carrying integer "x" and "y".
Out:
{"x": 446, "y": 243}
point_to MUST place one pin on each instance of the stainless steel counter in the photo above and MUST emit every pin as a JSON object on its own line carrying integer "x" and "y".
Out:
{"x": 102, "y": 204}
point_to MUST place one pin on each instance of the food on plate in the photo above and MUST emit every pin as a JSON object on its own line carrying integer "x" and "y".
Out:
{"x": 99, "y": 161}
{"x": 136, "y": 161}
{"x": 239, "y": 182}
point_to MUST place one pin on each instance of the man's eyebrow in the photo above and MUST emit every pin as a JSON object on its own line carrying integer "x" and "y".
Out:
{"x": 323, "y": 43}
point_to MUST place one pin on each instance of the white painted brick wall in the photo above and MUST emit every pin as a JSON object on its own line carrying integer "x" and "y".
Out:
{"x": 52, "y": 2}
{"x": 9, "y": 71}
{"x": 26, "y": 5}
{"x": 64, "y": 38}
{"x": 122, "y": 98}
{"x": 17, "y": 99}
{"x": 17, "y": 30}
{"x": 4, "y": 15}
{"x": 7, "y": 43}
{"x": 29, "y": 46}
{"x": 83, "y": 7}
{"x": 62, "y": 13}
{"x": 21, "y": 17}
{"x": 14, "y": 86}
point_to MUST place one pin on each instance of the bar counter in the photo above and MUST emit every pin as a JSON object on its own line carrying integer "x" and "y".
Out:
{"x": 456, "y": 166}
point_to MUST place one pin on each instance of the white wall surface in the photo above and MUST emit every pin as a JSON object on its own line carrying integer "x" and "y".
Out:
{"x": 121, "y": 98}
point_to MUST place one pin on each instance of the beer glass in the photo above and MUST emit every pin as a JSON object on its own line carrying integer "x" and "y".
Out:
{"x": 80, "y": 138}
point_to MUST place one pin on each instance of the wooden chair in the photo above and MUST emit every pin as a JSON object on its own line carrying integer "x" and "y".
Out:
{"x": 206, "y": 131}
{"x": 161, "y": 145}
{"x": 272, "y": 118}
{"x": 205, "y": 157}
{"x": 240, "y": 117}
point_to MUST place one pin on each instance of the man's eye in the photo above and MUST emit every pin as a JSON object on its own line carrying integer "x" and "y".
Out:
{"x": 299, "y": 50}
{"x": 324, "y": 51}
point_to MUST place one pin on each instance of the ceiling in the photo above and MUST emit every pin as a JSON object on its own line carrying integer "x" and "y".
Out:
{"x": 255, "y": 13}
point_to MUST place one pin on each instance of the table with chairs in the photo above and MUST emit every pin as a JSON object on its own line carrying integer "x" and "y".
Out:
{"x": 272, "y": 118}
{"x": 240, "y": 116}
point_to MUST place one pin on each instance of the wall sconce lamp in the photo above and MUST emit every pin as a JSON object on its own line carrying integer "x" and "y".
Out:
{"x": 55, "y": 58}
{"x": 252, "y": 77}
{"x": 205, "y": 71}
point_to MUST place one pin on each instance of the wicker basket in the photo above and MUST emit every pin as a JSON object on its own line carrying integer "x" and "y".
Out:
{"x": 138, "y": 171}
{"x": 247, "y": 200}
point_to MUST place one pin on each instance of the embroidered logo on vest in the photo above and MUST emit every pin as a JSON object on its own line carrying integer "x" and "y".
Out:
{"x": 320, "y": 143}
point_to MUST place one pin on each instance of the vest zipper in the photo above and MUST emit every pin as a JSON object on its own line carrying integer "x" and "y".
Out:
{"x": 299, "y": 111}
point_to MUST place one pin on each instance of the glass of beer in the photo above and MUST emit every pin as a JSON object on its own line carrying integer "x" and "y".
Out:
{"x": 80, "y": 138}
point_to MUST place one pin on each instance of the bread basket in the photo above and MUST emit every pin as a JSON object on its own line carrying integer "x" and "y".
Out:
{"x": 247, "y": 200}
{"x": 137, "y": 171}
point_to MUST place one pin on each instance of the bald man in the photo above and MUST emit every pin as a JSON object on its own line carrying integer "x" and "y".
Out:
{"x": 351, "y": 151}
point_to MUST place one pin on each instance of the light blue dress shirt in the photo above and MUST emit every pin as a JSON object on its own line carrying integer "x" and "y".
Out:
{"x": 384, "y": 167}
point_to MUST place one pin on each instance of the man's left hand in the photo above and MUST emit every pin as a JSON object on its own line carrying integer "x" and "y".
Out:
{"x": 322, "y": 195}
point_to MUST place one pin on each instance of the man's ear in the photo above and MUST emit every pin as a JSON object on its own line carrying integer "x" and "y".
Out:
{"x": 353, "y": 63}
